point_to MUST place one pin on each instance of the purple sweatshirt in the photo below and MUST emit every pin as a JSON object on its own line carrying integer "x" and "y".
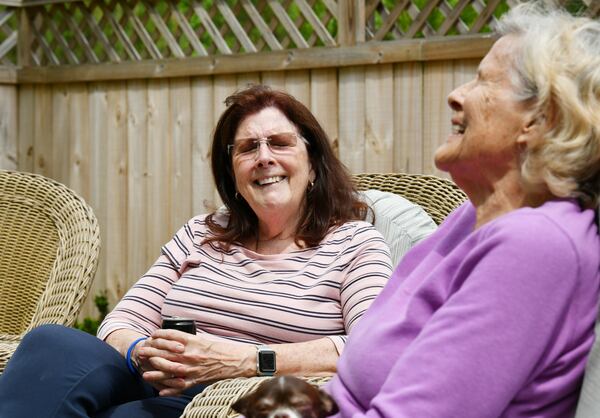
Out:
{"x": 496, "y": 322}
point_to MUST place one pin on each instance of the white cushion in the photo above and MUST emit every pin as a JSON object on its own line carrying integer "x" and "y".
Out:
{"x": 401, "y": 222}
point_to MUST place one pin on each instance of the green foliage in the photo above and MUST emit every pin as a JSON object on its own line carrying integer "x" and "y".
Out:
{"x": 90, "y": 325}
{"x": 9, "y": 25}
{"x": 576, "y": 7}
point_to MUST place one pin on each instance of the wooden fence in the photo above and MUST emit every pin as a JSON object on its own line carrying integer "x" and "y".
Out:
{"x": 125, "y": 118}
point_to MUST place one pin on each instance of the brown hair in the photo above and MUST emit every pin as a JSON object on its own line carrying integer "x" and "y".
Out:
{"x": 331, "y": 201}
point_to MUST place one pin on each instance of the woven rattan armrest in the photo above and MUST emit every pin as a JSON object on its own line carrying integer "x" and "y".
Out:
{"x": 438, "y": 196}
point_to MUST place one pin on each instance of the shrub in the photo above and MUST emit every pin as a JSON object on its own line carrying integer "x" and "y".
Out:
{"x": 90, "y": 325}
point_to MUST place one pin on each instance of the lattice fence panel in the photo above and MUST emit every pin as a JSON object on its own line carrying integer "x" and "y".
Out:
{"x": 8, "y": 36}
{"x": 98, "y": 31}
{"x": 94, "y": 31}
{"x": 401, "y": 19}
{"x": 589, "y": 8}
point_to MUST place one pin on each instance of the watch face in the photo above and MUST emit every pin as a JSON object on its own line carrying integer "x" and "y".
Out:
{"x": 266, "y": 362}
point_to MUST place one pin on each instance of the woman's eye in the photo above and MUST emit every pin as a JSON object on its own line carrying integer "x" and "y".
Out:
{"x": 282, "y": 140}
{"x": 246, "y": 146}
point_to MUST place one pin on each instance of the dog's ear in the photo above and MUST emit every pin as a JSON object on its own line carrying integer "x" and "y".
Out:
{"x": 329, "y": 407}
{"x": 241, "y": 405}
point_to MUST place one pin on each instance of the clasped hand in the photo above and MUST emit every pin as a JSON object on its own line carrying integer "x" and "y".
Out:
{"x": 173, "y": 361}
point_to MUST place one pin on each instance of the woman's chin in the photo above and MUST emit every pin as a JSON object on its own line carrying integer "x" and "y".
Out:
{"x": 442, "y": 158}
{"x": 448, "y": 152}
{"x": 266, "y": 209}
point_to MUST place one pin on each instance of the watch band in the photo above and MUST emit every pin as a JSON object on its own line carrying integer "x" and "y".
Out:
{"x": 265, "y": 361}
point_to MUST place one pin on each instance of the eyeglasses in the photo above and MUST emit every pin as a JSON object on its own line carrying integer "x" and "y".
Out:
{"x": 281, "y": 143}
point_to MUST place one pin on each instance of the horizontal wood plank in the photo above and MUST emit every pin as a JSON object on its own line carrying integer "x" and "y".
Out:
{"x": 388, "y": 52}
{"x": 8, "y": 75}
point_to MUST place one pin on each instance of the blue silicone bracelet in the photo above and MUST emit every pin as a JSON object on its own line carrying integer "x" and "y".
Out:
{"x": 128, "y": 356}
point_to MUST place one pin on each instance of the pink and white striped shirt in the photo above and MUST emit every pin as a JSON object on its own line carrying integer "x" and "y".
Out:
{"x": 247, "y": 297}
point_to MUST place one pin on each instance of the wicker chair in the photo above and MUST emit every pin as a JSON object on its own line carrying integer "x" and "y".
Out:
{"x": 49, "y": 244}
{"x": 436, "y": 195}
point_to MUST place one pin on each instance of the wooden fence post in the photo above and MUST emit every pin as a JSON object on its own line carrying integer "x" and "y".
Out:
{"x": 24, "y": 39}
{"x": 351, "y": 22}
{"x": 351, "y": 93}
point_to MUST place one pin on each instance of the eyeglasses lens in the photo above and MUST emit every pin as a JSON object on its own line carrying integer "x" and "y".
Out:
{"x": 277, "y": 143}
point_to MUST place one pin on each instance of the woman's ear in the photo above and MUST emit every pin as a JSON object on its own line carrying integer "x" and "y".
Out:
{"x": 312, "y": 176}
{"x": 533, "y": 130}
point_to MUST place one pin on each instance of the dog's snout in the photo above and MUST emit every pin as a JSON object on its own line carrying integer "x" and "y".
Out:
{"x": 284, "y": 413}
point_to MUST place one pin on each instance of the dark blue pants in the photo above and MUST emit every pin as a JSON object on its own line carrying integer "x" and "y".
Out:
{"x": 60, "y": 372}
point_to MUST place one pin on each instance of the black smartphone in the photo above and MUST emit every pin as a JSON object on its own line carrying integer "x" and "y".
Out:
{"x": 181, "y": 324}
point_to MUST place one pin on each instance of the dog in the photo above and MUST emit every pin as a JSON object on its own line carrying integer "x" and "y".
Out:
{"x": 286, "y": 397}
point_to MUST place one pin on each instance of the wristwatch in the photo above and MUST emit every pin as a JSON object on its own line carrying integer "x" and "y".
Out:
{"x": 265, "y": 361}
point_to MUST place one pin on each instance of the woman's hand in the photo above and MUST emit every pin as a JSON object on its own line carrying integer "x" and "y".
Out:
{"x": 121, "y": 340}
{"x": 174, "y": 361}
{"x": 162, "y": 380}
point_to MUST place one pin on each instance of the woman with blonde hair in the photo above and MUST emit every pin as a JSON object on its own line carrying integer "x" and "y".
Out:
{"x": 493, "y": 314}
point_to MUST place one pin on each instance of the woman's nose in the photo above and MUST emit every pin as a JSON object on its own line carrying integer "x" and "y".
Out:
{"x": 264, "y": 155}
{"x": 456, "y": 97}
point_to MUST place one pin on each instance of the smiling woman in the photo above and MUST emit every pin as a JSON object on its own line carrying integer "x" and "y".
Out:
{"x": 275, "y": 282}
{"x": 294, "y": 194}
{"x": 493, "y": 314}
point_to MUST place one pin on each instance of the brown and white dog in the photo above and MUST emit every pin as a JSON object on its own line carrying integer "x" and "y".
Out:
{"x": 286, "y": 397}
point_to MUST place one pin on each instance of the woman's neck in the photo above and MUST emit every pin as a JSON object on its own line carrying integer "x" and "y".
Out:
{"x": 495, "y": 198}
{"x": 278, "y": 224}
{"x": 274, "y": 237}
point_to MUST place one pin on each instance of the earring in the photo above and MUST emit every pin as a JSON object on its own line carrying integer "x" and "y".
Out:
{"x": 237, "y": 196}
{"x": 310, "y": 185}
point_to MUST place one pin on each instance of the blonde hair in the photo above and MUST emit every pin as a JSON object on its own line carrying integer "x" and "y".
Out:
{"x": 557, "y": 69}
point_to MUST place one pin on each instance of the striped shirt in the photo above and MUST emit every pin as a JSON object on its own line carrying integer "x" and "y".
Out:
{"x": 247, "y": 297}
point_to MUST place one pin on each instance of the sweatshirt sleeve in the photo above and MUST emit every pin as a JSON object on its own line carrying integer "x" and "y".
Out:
{"x": 140, "y": 309}
{"x": 488, "y": 339}
{"x": 366, "y": 274}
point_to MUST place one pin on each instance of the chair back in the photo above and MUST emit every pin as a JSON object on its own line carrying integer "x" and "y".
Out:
{"x": 589, "y": 398}
{"x": 438, "y": 196}
{"x": 49, "y": 245}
